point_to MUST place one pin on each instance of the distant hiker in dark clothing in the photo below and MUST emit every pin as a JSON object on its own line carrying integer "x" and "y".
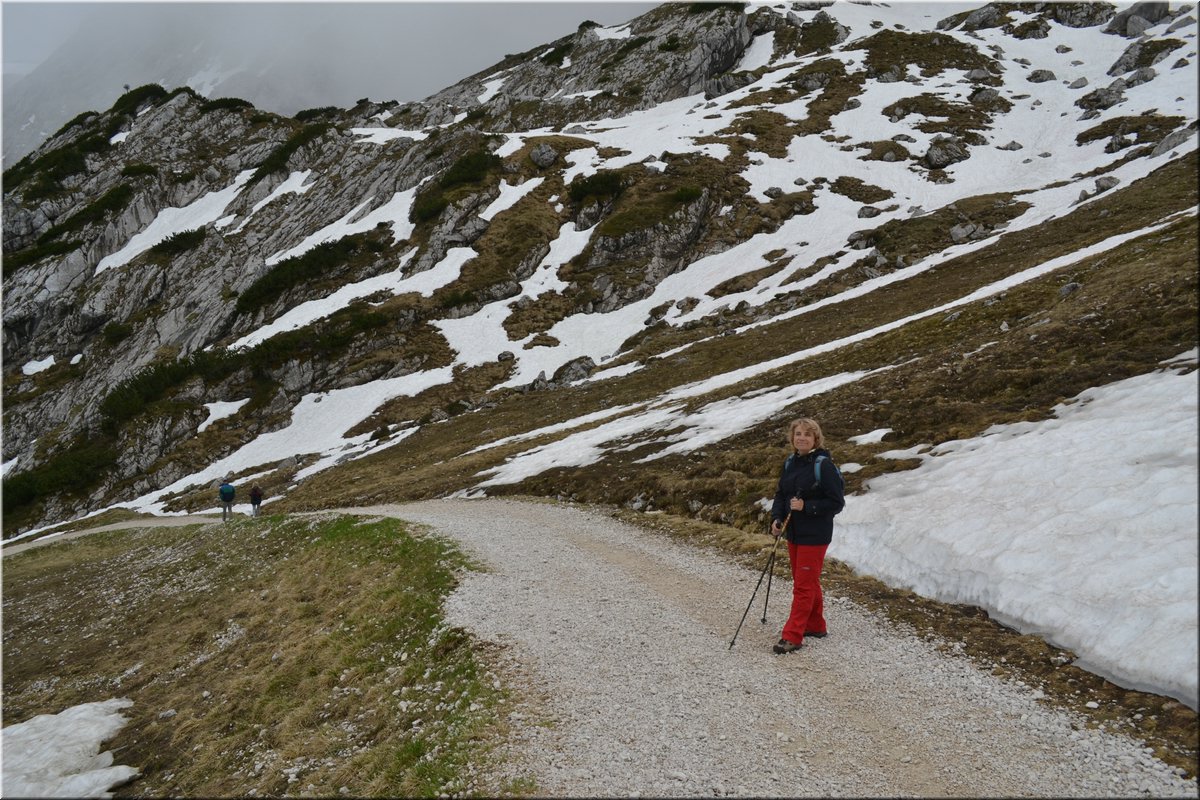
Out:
{"x": 811, "y": 490}
{"x": 225, "y": 494}
{"x": 256, "y": 498}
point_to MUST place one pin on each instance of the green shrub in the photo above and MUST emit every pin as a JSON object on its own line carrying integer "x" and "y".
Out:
{"x": 225, "y": 104}
{"x": 131, "y": 101}
{"x": 34, "y": 254}
{"x": 625, "y": 49}
{"x": 179, "y": 243}
{"x": 470, "y": 168}
{"x": 687, "y": 194}
{"x": 116, "y": 332}
{"x": 555, "y": 57}
{"x": 134, "y": 170}
{"x": 601, "y": 184}
{"x": 93, "y": 144}
{"x": 321, "y": 341}
{"x": 50, "y": 168}
{"x": 71, "y": 470}
{"x": 456, "y": 298}
{"x": 78, "y": 120}
{"x": 54, "y": 166}
{"x": 703, "y": 8}
{"x": 428, "y": 205}
{"x": 671, "y": 44}
{"x": 277, "y": 161}
{"x": 131, "y": 397}
{"x": 189, "y": 91}
{"x": 320, "y": 261}
{"x": 110, "y": 203}
{"x": 314, "y": 113}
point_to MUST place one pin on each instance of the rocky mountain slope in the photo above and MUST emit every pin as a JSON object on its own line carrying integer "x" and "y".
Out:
{"x": 574, "y": 272}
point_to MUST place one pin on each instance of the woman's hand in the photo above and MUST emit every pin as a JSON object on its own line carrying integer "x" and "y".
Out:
{"x": 797, "y": 504}
{"x": 776, "y": 528}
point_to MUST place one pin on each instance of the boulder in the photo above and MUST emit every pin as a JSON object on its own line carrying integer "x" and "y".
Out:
{"x": 573, "y": 371}
{"x": 944, "y": 151}
{"x": 1146, "y": 15}
{"x": 964, "y": 231}
{"x": 543, "y": 155}
{"x": 1143, "y": 75}
{"x": 1173, "y": 140}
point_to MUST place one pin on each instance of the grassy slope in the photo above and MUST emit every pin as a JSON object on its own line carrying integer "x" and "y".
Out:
{"x": 275, "y": 647}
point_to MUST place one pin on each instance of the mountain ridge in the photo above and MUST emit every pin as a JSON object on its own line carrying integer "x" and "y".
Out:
{"x": 463, "y": 243}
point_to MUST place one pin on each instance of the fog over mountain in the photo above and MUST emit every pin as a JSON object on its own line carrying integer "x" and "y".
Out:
{"x": 282, "y": 57}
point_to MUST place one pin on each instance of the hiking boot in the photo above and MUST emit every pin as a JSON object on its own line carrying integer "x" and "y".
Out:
{"x": 816, "y": 635}
{"x": 784, "y": 646}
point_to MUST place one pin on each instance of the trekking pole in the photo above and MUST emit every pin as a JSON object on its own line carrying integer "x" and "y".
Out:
{"x": 770, "y": 574}
{"x": 771, "y": 568}
{"x": 770, "y": 564}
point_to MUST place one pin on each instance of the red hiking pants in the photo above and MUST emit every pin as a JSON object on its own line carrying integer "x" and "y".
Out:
{"x": 808, "y": 606}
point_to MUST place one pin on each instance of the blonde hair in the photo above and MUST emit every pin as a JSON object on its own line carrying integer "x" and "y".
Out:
{"x": 810, "y": 425}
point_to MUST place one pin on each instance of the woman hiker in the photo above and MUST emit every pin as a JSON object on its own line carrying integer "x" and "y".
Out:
{"x": 811, "y": 491}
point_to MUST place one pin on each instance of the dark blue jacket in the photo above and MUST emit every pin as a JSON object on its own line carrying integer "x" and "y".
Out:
{"x": 813, "y": 525}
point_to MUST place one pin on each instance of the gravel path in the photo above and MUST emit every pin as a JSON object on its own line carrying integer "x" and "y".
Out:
{"x": 622, "y": 639}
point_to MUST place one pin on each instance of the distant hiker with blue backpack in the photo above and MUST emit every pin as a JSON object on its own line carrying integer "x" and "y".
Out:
{"x": 226, "y": 494}
{"x": 810, "y": 492}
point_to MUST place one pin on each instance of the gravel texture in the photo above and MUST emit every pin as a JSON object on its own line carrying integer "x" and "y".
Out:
{"x": 619, "y": 641}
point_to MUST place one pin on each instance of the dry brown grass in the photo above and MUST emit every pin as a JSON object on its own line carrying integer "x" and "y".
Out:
{"x": 271, "y": 656}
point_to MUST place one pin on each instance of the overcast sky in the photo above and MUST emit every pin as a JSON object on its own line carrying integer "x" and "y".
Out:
{"x": 61, "y": 59}
{"x": 436, "y": 39}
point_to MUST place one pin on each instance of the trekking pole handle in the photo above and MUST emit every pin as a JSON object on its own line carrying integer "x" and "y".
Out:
{"x": 783, "y": 527}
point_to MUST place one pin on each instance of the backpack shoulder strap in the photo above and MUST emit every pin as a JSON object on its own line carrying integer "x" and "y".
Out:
{"x": 817, "y": 466}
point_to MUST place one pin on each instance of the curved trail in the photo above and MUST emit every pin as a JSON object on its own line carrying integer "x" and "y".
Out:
{"x": 624, "y": 637}
{"x": 617, "y": 643}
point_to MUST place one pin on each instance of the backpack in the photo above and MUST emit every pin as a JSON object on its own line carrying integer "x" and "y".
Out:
{"x": 226, "y": 492}
{"x": 816, "y": 464}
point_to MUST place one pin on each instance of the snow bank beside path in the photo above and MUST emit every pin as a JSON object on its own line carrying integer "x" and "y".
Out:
{"x": 1081, "y": 529}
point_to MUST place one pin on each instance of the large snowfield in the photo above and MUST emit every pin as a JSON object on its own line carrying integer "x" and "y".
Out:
{"x": 1081, "y": 528}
